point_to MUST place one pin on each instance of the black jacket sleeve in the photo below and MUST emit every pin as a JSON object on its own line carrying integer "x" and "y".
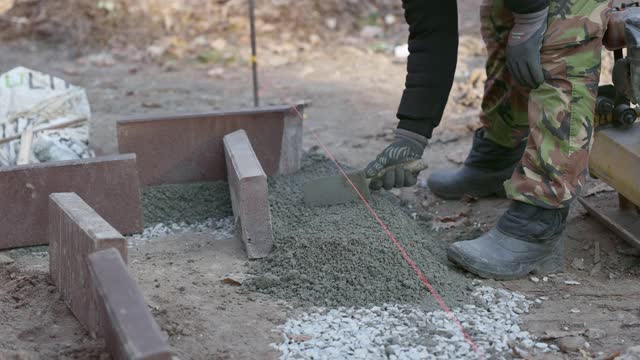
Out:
{"x": 526, "y": 6}
{"x": 433, "y": 49}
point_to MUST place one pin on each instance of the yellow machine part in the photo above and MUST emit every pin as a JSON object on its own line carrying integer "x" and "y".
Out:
{"x": 615, "y": 159}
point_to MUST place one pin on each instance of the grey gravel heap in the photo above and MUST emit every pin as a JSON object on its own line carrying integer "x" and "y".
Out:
{"x": 221, "y": 229}
{"x": 339, "y": 256}
{"x": 188, "y": 203}
{"x": 410, "y": 332}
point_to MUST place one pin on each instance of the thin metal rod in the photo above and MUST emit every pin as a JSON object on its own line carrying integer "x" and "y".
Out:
{"x": 254, "y": 53}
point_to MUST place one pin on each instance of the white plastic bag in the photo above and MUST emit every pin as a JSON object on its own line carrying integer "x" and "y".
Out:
{"x": 31, "y": 99}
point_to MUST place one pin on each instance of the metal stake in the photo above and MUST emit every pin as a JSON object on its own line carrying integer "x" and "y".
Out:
{"x": 254, "y": 56}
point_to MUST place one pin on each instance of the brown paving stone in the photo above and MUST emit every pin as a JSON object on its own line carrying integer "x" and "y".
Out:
{"x": 75, "y": 231}
{"x": 130, "y": 331}
{"x": 249, "y": 195}
{"x": 108, "y": 184}
{"x": 188, "y": 148}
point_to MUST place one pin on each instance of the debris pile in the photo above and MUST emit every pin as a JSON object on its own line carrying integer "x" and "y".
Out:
{"x": 410, "y": 332}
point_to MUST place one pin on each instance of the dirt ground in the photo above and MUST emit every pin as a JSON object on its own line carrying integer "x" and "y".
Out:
{"x": 355, "y": 92}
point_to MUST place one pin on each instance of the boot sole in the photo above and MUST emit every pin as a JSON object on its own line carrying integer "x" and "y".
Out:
{"x": 499, "y": 193}
{"x": 550, "y": 265}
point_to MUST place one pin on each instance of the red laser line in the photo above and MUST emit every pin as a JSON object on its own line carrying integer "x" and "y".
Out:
{"x": 452, "y": 317}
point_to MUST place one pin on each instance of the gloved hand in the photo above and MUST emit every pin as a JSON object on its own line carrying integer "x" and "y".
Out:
{"x": 523, "y": 48}
{"x": 399, "y": 164}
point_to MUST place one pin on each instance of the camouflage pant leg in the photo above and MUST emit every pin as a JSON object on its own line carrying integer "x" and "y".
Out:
{"x": 555, "y": 164}
{"x": 504, "y": 105}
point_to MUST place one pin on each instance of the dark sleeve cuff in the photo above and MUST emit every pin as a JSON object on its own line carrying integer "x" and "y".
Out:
{"x": 526, "y": 6}
{"x": 422, "y": 127}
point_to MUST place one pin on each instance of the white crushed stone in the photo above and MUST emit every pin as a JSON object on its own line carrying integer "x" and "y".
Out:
{"x": 221, "y": 229}
{"x": 407, "y": 332}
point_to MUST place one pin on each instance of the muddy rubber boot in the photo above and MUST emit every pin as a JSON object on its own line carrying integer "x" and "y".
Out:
{"x": 485, "y": 170}
{"x": 527, "y": 239}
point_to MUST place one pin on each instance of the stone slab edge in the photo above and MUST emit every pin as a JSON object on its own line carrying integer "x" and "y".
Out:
{"x": 74, "y": 231}
{"x": 249, "y": 195}
{"x": 36, "y": 230}
{"x": 130, "y": 330}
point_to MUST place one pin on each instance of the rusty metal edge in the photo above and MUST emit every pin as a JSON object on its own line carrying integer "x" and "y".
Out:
{"x": 610, "y": 223}
{"x": 256, "y": 111}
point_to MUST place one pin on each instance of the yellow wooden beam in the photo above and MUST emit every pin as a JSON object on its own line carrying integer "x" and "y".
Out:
{"x": 615, "y": 159}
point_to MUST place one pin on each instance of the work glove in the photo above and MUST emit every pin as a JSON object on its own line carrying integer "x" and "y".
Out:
{"x": 399, "y": 164}
{"x": 523, "y": 48}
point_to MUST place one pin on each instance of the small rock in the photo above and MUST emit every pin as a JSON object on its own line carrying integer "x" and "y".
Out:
{"x": 101, "y": 60}
{"x": 219, "y": 44}
{"x": 390, "y": 19}
{"x": 314, "y": 39}
{"x": 535, "y": 279}
{"x": 216, "y": 72}
{"x": 632, "y": 353}
{"x": 578, "y": 263}
{"x": 331, "y": 23}
{"x": 541, "y": 345}
{"x": 571, "y": 282}
{"x": 571, "y": 343}
{"x": 371, "y": 32}
{"x": 151, "y": 105}
{"x": 5, "y": 260}
{"x": 401, "y": 51}
{"x": 593, "y": 333}
{"x": 574, "y": 310}
{"x": 596, "y": 269}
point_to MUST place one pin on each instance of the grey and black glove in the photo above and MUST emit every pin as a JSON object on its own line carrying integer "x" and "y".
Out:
{"x": 399, "y": 164}
{"x": 523, "y": 48}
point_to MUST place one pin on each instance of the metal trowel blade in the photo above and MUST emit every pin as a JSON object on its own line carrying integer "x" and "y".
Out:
{"x": 335, "y": 190}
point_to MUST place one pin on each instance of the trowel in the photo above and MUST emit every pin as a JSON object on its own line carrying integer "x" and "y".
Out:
{"x": 336, "y": 189}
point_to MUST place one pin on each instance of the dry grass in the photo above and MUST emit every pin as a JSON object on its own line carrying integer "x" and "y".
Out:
{"x": 5, "y": 5}
{"x": 141, "y": 22}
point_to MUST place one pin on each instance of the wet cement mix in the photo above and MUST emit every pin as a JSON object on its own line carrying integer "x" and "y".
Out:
{"x": 326, "y": 256}
{"x": 339, "y": 255}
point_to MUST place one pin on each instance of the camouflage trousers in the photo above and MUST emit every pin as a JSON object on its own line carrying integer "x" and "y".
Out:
{"x": 555, "y": 119}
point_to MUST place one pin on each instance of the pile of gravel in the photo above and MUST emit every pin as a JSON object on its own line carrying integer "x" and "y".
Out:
{"x": 221, "y": 229}
{"x": 339, "y": 255}
{"x": 186, "y": 203}
{"x": 410, "y": 332}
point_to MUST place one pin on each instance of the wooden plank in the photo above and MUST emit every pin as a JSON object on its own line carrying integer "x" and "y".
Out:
{"x": 615, "y": 159}
{"x": 75, "y": 231}
{"x": 249, "y": 195}
{"x": 108, "y": 184}
{"x": 52, "y": 126}
{"x": 624, "y": 223}
{"x": 131, "y": 332}
{"x": 189, "y": 148}
{"x": 24, "y": 155}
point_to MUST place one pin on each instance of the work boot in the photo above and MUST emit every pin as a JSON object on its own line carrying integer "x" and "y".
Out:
{"x": 527, "y": 239}
{"x": 487, "y": 167}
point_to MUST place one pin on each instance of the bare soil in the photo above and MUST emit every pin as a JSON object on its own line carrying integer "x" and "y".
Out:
{"x": 355, "y": 92}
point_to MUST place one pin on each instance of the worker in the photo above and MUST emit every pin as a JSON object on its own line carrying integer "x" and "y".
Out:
{"x": 543, "y": 69}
